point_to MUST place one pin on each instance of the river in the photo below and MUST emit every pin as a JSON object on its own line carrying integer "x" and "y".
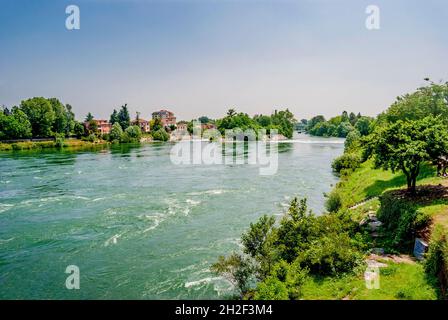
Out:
{"x": 136, "y": 225}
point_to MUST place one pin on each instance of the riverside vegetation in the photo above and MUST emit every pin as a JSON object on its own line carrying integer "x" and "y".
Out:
{"x": 392, "y": 165}
{"x": 49, "y": 119}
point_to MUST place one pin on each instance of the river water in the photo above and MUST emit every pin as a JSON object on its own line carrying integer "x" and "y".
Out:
{"x": 136, "y": 225}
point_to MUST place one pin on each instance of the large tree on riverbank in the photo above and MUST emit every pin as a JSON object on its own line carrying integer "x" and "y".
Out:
{"x": 406, "y": 144}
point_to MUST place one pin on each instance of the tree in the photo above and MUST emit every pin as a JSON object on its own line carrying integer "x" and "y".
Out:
{"x": 313, "y": 121}
{"x": 405, "y": 145}
{"x": 40, "y": 114}
{"x": 343, "y": 129}
{"x": 78, "y": 129}
{"x": 156, "y": 124}
{"x": 60, "y": 120}
{"x": 231, "y": 112}
{"x": 204, "y": 119}
{"x": 123, "y": 117}
{"x": 14, "y": 125}
{"x": 236, "y": 269}
{"x": 89, "y": 117}
{"x": 429, "y": 100}
{"x": 160, "y": 135}
{"x": 363, "y": 125}
{"x": 114, "y": 117}
{"x": 115, "y": 132}
{"x": 257, "y": 244}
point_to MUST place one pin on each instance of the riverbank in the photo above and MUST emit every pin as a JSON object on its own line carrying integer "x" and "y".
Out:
{"x": 364, "y": 192}
{"x": 35, "y": 145}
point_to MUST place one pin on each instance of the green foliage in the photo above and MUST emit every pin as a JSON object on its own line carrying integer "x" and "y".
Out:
{"x": 405, "y": 145}
{"x": 79, "y": 129}
{"x": 436, "y": 263}
{"x": 282, "y": 121}
{"x": 352, "y": 141}
{"x": 14, "y": 125}
{"x": 401, "y": 220}
{"x": 236, "y": 269}
{"x": 333, "y": 202}
{"x": 114, "y": 117}
{"x": 40, "y": 114}
{"x": 156, "y": 124}
{"x": 123, "y": 117}
{"x": 284, "y": 282}
{"x": 331, "y": 254}
{"x": 89, "y": 117}
{"x": 257, "y": 244}
{"x": 363, "y": 125}
{"x": 347, "y": 161}
{"x": 426, "y": 101}
{"x": 271, "y": 289}
{"x": 116, "y": 132}
{"x": 59, "y": 140}
{"x": 339, "y": 126}
{"x": 160, "y": 135}
{"x": 131, "y": 134}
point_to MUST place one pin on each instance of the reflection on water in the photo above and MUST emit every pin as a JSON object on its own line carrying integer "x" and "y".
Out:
{"x": 135, "y": 224}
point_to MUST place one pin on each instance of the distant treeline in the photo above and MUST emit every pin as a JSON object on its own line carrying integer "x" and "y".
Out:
{"x": 339, "y": 126}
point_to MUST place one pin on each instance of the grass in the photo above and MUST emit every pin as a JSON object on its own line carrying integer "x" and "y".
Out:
{"x": 367, "y": 182}
{"x": 398, "y": 281}
{"x": 31, "y": 145}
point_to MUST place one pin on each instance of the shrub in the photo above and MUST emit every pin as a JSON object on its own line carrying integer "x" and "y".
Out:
{"x": 333, "y": 202}
{"x": 352, "y": 140}
{"x": 401, "y": 220}
{"x": 271, "y": 289}
{"x": 115, "y": 132}
{"x": 346, "y": 161}
{"x": 331, "y": 254}
{"x": 90, "y": 138}
{"x": 160, "y": 135}
{"x": 59, "y": 139}
{"x": 436, "y": 264}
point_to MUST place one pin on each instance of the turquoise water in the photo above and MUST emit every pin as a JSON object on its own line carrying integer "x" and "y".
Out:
{"x": 137, "y": 226}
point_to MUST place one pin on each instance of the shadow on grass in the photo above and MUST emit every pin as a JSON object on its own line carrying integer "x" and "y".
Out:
{"x": 379, "y": 186}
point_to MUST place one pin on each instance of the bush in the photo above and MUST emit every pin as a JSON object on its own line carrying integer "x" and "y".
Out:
{"x": 401, "y": 220}
{"x": 347, "y": 161}
{"x": 331, "y": 254}
{"x": 333, "y": 202}
{"x": 90, "y": 138}
{"x": 59, "y": 139}
{"x": 115, "y": 132}
{"x": 352, "y": 141}
{"x": 160, "y": 135}
{"x": 436, "y": 264}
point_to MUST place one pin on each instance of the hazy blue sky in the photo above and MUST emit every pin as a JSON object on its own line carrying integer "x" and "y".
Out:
{"x": 202, "y": 57}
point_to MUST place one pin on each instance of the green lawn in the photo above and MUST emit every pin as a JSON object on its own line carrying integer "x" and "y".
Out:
{"x": 367, "y": 182}
{"x": 397, "y": 281}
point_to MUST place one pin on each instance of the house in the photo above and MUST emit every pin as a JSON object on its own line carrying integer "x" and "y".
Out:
{"x": 182, "y": 126}
{"x": 143, "y": 124}
{"x": 208, "y": 126}
{"x": 166, "y": 117}
{"x": 103, "y": 126}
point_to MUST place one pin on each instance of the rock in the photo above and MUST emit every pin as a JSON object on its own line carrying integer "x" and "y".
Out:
{"x": 378, "y": 251}
{"x": 374, "y": 225}
{"x": 375, "y": 264}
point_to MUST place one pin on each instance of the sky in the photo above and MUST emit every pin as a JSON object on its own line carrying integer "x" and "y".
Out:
{"x": 202, "y": 57}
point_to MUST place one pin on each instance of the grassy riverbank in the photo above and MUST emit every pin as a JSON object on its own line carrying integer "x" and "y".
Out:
{"x": 406, "y": 279}
{"x": 32, "y": 145}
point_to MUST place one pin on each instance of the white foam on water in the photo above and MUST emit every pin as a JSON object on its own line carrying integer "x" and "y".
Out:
{"x": 6, "y": 240}
{"x": 5, "y": 206}
{"x": 112, "y": 240}
{"x": 200, "y": 282}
